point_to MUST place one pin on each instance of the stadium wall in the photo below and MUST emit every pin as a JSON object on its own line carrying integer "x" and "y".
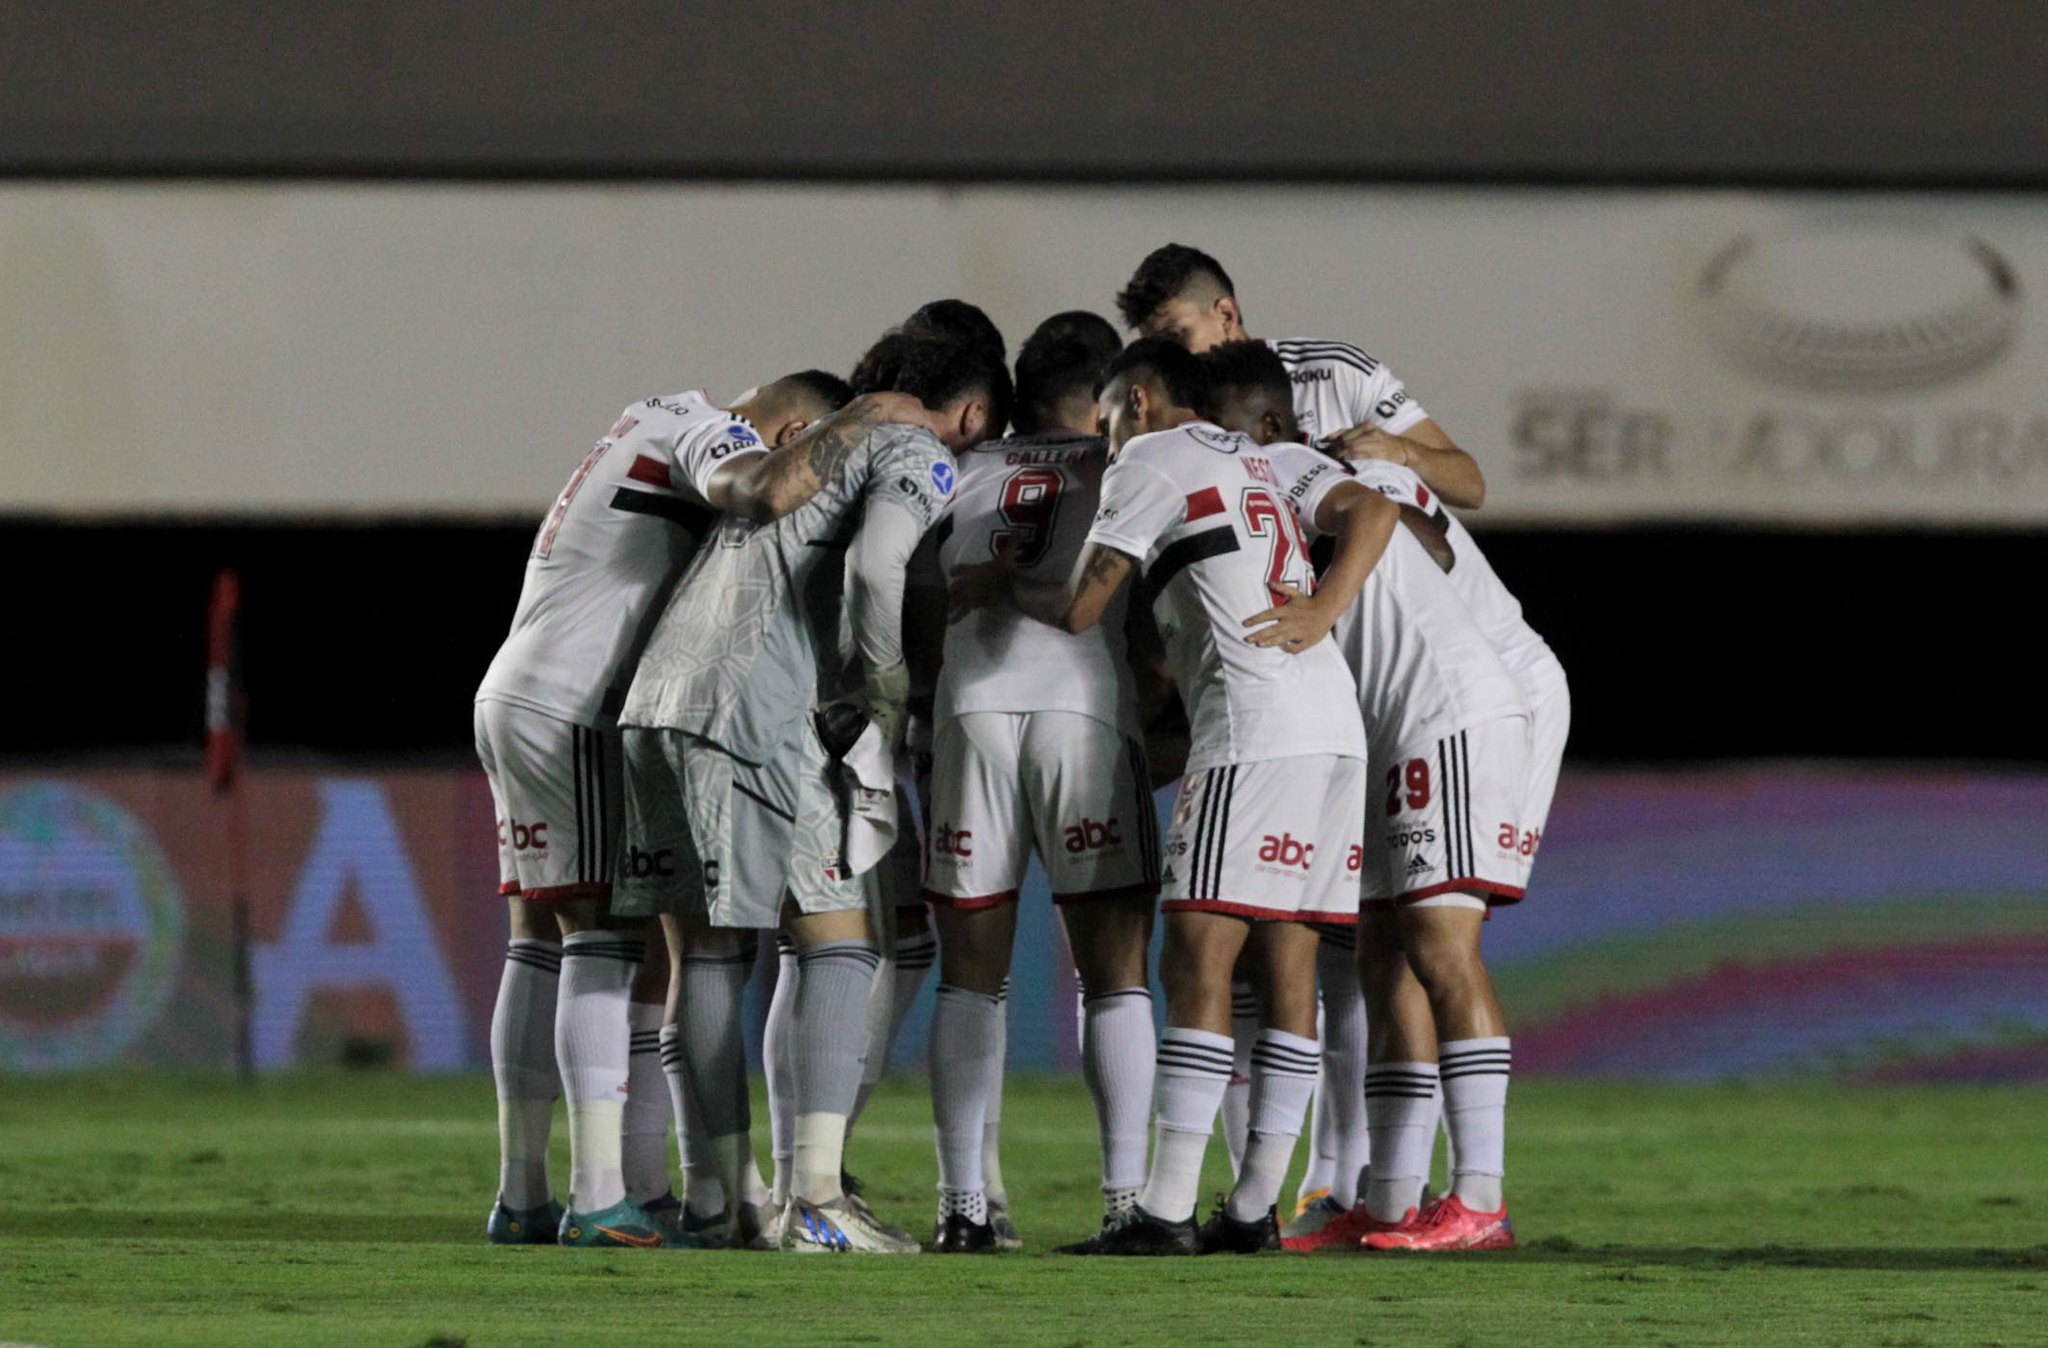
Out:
{"x": 389, "y": 349}
{"x": 1741, "y": 922}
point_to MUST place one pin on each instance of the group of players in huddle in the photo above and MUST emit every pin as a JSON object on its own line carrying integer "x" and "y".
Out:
{"x": 744, "y": 630}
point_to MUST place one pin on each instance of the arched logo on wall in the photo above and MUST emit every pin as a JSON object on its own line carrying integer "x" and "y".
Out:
{"x": 91, "y": 928}
{"x": 1860, "y": 306}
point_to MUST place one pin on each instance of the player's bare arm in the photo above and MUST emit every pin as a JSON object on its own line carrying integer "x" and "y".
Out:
{"x": 1431, "y": 535}
{"x": 1450, "y": 471}
{"x": 766, "y": 487}
{"x": 1362, "y": 521}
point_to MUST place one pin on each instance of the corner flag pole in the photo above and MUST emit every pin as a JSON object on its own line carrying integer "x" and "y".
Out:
{"x": 224, "y": 720}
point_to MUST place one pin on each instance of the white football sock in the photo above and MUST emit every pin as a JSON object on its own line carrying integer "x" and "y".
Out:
{"x": 1237, "y": 1100}
{"x": 1475, "y": 1083}
{"x": 1400, "y": 1101}
{"x": 992, "y": 1113}
{"x": 523, "y": 1065}
{"x": 966, "y": 1063}
{"x": 592, "y": 1043}
{"x": 778, "y": 1063}
{"x": 1119, "y": 1051}
{"x": 1341, "y": 1128}
{"x": 1283, "y": 1079}
{"x": 643, "y": 1131}
{"x": 833, "y": 984}
{"x": 1193, "y": 1072}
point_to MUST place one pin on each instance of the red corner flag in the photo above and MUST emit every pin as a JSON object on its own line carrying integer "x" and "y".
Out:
{"x": 223, "y": 714}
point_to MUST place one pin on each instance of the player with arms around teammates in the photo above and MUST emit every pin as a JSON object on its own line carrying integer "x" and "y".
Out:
{"x": 1352, "y": 404}
{"x": 1449, "y": 830}
{"x": 617, "y": 537}
{"x": 1037, "y": 748}
{"x": 761, "y": 727}
{"x": 1268, "y": 822}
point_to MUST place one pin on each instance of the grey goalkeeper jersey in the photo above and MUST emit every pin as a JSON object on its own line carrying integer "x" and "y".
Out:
{"x": 758, "y": 631}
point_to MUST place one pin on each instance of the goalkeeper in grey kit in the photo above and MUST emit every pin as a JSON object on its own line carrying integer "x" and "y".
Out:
{"x": 760, "y": 733}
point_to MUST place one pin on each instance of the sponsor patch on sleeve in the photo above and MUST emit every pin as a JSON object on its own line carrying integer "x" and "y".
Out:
{"x": 942, "y": 478}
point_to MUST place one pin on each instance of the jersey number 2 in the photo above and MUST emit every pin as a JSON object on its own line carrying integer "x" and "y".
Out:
{"x": 1029, "y": 504}
{"x": 1265, "y": 517}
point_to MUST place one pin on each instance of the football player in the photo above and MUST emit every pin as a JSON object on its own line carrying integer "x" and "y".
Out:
{"x": 762, "y": 726}
{"x": 1450, "y": 737}
{"x": 1037, "y": 750}
{"x": 618, "y": 535}
{"x": 1265, "y": 836}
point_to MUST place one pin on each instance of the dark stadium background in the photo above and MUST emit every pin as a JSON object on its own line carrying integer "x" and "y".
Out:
{"x": 1683, "y": 643}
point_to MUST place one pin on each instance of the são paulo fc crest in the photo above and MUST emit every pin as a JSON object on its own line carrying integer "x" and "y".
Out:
{"x": 91, "y": 928}
{"x": 942, "y": 478}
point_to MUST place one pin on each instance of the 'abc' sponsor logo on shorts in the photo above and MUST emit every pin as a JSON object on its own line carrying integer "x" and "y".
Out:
{"x": 642, "y": 864}
{"x": 523, "y": 837}
{"x": 953, "y": 842}
{"x": 1091, "y": 836}
{"x": 1287, "y": 850}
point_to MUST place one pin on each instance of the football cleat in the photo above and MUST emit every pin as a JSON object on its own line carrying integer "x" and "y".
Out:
{"x": 860, "y": 1207}
{"x": 1305, "y": 1201}
{"x": 624, "y": 1225}
{"x": 1225, "y": 1234}
{"x": 1135, "y": 1231}
{"x": 837, "y": 1227}
{"x": 756, "y": 1229}
{"x": 529, "y": 1226}
{"x": 1325, "y": 1227}
{"x": 1446, "y": 1224}
{"x": 956, "y": 1233}
{"x": 1007, "y": 1238}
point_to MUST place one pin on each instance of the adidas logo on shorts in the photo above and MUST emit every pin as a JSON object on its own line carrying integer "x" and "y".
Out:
{"x": 1417, "y": 863}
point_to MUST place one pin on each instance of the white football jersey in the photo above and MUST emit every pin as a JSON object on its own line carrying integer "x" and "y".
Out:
{"x": 613, "y": 545}
{"x": 1337, "y": 386}
{"x": 1425, "y": 668}
{"x": 1493, "y": 606}
{"x": 1033, "y": 496}
{"x": 1217, "y": 521}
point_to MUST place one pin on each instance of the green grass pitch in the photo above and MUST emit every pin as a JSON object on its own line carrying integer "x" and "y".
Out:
{"x": 349, "y": 1210}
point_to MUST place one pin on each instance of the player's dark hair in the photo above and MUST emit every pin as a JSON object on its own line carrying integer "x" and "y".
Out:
{"x": 936, "y": 371}
{"x": 1167, "y": 273}
{"x": 1240, "y": 366}
{"x": 880, "y": 364}
{"x": 954, "y": 348}
{"x": 1062, "y": 358}
{"x": 821, "y": 385}
{"x": 960, "y": 320}
{"x": 1178, "y": 372}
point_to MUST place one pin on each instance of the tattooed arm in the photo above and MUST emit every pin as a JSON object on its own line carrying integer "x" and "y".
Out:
{"x": 773, "y": 484}
{"x": 1072, "y": 605}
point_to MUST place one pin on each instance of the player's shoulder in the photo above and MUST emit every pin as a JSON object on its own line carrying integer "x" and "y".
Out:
{"x": 694, "y": 405}
{"x": 1307, "y": 358}
{"x": 1191, "y": 445}
{"x": 912, "y": 459}
{"x": 1398, "y": 481}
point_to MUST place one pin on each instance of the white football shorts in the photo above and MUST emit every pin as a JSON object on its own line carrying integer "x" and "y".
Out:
{"x": 1444, "y": 817}
{"x": 557, "y": 789}
{"x": 1550, "y": 722}
{"x": 1074, "y": 788}
{"x": 1276, "y": 840}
